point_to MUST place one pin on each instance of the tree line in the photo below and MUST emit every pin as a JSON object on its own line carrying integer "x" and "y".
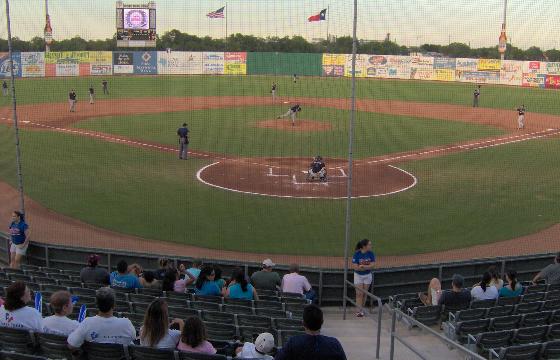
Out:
{"x": 179, "y": 41}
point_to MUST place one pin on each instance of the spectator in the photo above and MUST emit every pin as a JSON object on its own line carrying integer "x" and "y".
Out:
{"x": 59, "y": 323}
{"x": 205, "y": 284}
{"x": 15, "y": 313}
{"x": 263, "y": 346}
{"x": 164, "y": 265}
{"x": 104, "y": 327}
{"x": 19, "y": 239}
{"x": 457, "y": 296}
{"x": 182, "y": 270}
{"x": 149, "y": 281}
{"x": 297, "y": 284}
{"x": 91, "y": 273}
{"x": 513, "y": 288}
{"x": 551, "y": 273}
{"x": 483, "y": 290}
{"x": 312, "y": 345}
{"x": 194, "y": 338}
{"x": 218, "y": 278}
{"x": 195, "y": 268}
{"x": 266, "y": 279}
{"x": 180, "y": 285}
{"x": 155, "y": 331}
{"x": 136, "y": 270}
{"x": 496, "y": 279}
{"x": 169, "y": 278}
{"x": 362, "y": 262}
{"x": 432, "y": 295}
{"x": 239, "y": 288}
{"x": 123, "y": 279}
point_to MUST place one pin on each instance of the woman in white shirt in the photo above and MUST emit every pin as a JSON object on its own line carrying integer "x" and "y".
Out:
{"x": 59, "y": 323}
{"x": 15, "y": 314}
{"x": 484, "y": 290}
{"x": 156, "y": 332}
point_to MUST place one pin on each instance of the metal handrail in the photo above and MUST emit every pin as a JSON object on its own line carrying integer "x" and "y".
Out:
{"x": 379, "y": 314}
{"x": 450, "y": 343}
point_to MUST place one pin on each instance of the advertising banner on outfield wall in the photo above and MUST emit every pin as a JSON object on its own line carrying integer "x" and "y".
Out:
{"x": 534, "y": 80}
{"x": 235, "y": 63}
{"x": 489, "y": 65}
{"x": 123, "y": 62}
{"x": 67, "y": 69}
{"x": 534, "y": 67}
{"x": 33, "y": 64}
{"x": 398, "y": 67}
{"x": 145, "y": 62}
{"x": 5, "y": 63}
{"x": 444, "y": 74}
{"x": 511, "y": 73}
{"x": 444, "y": 63}
{"x": 179, "y": 62}
{"x": 67, "y": 57}
{"x": 553, "y": 68}
{"x": 553, "y": 81}
{"x": 213, "y": 62}
{"x": 377, "y": 66}
{"x": 333, "y": 64}
{"x": 479, "y": 77}
{"x": 361, "y": 65}
{"x": 422, "y": 68}
{"x": 463, "y": 64}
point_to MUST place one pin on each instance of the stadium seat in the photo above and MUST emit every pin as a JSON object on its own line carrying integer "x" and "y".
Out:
{"x": 269, "y": 304}
{"x": 554, "y": 332}
{"x": 12, "y": 271}
{"x": 460, "y": 330}
{"x": 93, "y": 286}
{"x": 34, "y": 274}
{"x": 208, "y": 299}
{"x": 524, "y": 352}
{"x": 58, "y": 276}
{"x": 551, "y": 305}
{"x": 295, "y": 309}
{"x": 177, "y": 296}
{"x": 427, "y": 315}
{"x": 466, "y": 315}
{"x": 52, "y": 288}
{"x": 531, "y": 307}
{"x": 217, "y": 331}
{"x": 273, "y": 313}
{"x": 218, "y": 317}
{"x": 491, "y": 340}
{"x": 69, "y": 283}
{"x": 141, "y": 298}
{"x": 50, "y": 270}
{"x": 8, "y": 355}
{"x": 497, "y": 311}
{"x": 71, "y": 272}
{"x": 100, "y": 351}
{"x": 182, "y": 312}
{"x": 53, "y": 346}
{"x": 20, "y": 277}
{"x": 151, "y": 292}
{"x": 17, "y": 340}
{"x": 551, "y": 350}
{"x": 250, "y": 333}
{"x": 287, "y": 324}
{"x": 253, "y": 320}
{"x": 198, "y": 356}
{"x": 270, "y": 298}
{"x": 239, "y": 302}
{"x": 291, "y": 295}
{"x": 535, "y": 319}
{"x": 285, "y": 335}
{"x": 452, "y": 309}
{"x": 478, "y": 304}
{"x": 535, "y": 288}
{"x": 176, "y": 302}
{"x": 528, "y": 335}
{"x": 203, "y": 305}
{"x": 267, "y": 292}
{"x": 44, "y": 280}
{"x": 136, "y": 319}
{"x": 79, "y": 291}
{"x": 508, "y": 300}
{"x": 553, "y": 295}
{"x": 139, "y": 307}
{"x": 294, "y": 300}
{"x": 505, "y": 322}
{"x": 235, "y": 309}
{"x": 148, "y": 353}
{"x": 553, "y": 287}
{"x": 532, "y": 297}
{"x": 25, "y": 267}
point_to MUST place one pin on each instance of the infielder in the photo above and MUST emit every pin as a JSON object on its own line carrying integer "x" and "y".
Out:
{"x": 273, "y": 91}
{"x": 72, "y": 100}
{"x": 521, "y": 117}
{"x": 291, "y": 113}
{"x": 105, "y": 89}
{"x": 91, "y": 94}
{"x": 4, "y": 88}
{"x": 476, "y": 95}
{"x": 183, "y": 133}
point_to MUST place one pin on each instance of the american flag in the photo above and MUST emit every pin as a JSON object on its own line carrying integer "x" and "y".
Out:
{"x": 217, "y": 14}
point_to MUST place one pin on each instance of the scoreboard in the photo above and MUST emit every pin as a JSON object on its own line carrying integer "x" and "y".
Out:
{"x": 136, "y": 24}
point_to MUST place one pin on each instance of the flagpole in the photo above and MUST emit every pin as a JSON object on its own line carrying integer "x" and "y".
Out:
{"x": 328, "y": 20}
{"x": 226, "y": 19}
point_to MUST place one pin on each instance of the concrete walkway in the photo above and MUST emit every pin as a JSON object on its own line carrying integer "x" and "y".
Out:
{"x": 358, "y": 337}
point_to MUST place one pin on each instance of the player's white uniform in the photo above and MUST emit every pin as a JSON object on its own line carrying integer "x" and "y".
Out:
{"x": 521, "y": 118}
{"x": 291, "y": 113}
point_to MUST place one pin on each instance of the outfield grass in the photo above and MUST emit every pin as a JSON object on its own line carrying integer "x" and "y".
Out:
{"x": 462, "y": 199}
{"x": 494, "y": 96}
{"x": 233, "y": 131}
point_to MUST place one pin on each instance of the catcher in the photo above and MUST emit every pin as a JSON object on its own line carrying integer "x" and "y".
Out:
{"x": 317, "y": 169}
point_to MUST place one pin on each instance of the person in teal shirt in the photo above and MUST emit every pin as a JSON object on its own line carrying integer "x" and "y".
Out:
{"x": 513, "y": 288}
{"x": 205, "y": 284}
{"x": 239, "y": 288}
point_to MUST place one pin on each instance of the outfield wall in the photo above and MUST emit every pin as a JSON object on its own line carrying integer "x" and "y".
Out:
{"x": 103, "y": 63}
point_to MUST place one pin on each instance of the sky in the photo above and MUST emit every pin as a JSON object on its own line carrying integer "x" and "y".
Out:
{"x": 410, "y": 22}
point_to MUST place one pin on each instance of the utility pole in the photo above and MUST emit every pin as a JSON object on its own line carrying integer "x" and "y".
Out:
{"x": 502, "y": 45}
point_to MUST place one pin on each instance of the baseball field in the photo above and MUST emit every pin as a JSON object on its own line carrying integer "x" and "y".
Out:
{"x": 431, "y": 173}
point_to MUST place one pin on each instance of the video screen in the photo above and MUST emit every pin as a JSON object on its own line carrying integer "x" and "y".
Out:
{"x": 136, "y": 19}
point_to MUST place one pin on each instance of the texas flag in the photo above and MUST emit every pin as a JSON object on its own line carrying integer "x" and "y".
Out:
{"x": 319, "y": 17}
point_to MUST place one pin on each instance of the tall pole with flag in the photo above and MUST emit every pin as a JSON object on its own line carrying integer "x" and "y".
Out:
{"x": 48, "y": 28}
{"x": 219, "y": 14}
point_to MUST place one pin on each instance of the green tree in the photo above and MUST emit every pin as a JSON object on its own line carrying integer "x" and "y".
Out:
{"x": 457, "y": 50}
{"x": 534, "y": 53}
{"x": 553, "y": 55}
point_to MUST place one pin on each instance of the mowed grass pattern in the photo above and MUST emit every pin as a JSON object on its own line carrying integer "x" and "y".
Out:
{"x": 234, "y": 131}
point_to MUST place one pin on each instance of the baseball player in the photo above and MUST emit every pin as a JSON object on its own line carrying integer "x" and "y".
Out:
{"x": 291, "y": 113}
{"x": 521, "y": 117}
{"x": 317, "y": 169}
{"x": 476, "y": 95}
{"x": 295, "y": 78}
{"x": 91, "y": 94}
{"x": 4, "y": 88}
{"x": 273, "y": 91}
{"x": 183, "y": 133}
{"x": 105, "y": 89}
{"x": 72, "y": 100}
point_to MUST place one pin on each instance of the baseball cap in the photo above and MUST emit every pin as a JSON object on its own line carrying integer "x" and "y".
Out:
{"x": 264, "y": 343}
{"x": 268, "y": 263}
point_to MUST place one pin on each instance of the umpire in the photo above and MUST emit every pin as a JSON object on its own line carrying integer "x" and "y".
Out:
{"x": 183, "y": 133}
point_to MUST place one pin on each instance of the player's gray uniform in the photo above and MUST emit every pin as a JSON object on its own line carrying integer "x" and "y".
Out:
{"x": 183, "y": 133}
{"x": 91, "y": 95}
{"x": 476, "y": 95}
{"x": 521, "y": 117}
{"x": 292, "y": 114}
{"x": 72, "y": 101}
{"x": 273, "y": 92}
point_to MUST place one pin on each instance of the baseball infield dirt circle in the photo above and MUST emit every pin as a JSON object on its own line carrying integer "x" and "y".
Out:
{"x": 287, "y": 177}
{"x": 299, "y": 125}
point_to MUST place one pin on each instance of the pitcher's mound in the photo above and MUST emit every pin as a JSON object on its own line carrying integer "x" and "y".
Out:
{"x": 300, "y": 125}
